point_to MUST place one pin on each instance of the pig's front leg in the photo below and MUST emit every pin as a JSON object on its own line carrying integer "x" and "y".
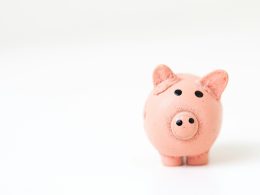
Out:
{"x": 201, "y": 159}
{"x": 171, "y": 161}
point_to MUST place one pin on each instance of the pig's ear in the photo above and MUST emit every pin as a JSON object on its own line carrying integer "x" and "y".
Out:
{"x": 162, "y": 73}
{"x": 215, "y": 82}
{"x": 163, "y": 78}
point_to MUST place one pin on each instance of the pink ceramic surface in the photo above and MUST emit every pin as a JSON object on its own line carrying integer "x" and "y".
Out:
{"x": 182, "y": 115}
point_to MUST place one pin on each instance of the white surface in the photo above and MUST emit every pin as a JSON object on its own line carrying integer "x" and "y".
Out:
{"x": 74, "y": 76}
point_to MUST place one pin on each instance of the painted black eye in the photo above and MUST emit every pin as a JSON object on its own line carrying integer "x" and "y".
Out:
{"x": 178, "y": 92}
{"x": 199, "y": 94}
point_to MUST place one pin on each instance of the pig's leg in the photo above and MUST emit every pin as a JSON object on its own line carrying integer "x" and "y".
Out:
{"x": 201, "y": 159}
{"x": 171, "y": 161}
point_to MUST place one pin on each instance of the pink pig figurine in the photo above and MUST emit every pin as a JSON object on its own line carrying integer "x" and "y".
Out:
{"x": 182, "y": 116}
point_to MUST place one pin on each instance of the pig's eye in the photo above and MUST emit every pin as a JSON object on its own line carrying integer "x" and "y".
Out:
{"x": 199, "y": 94}
{"x": 178, "y": 92}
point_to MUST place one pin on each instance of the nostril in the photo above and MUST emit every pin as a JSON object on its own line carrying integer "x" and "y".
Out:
{"x": 179, "y": 122}
{"x": 191, "y": 120}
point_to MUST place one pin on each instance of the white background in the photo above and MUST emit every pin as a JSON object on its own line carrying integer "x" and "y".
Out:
{"x": 74, "y": 76}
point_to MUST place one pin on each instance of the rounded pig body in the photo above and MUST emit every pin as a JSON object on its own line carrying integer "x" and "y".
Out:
{"x": 183, "y": 114}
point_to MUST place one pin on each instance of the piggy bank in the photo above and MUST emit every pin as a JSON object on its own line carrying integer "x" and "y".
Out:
{"x": 182, "y": 115}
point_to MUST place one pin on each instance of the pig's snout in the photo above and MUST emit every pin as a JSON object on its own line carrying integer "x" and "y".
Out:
{"x": 184, "y": 125}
